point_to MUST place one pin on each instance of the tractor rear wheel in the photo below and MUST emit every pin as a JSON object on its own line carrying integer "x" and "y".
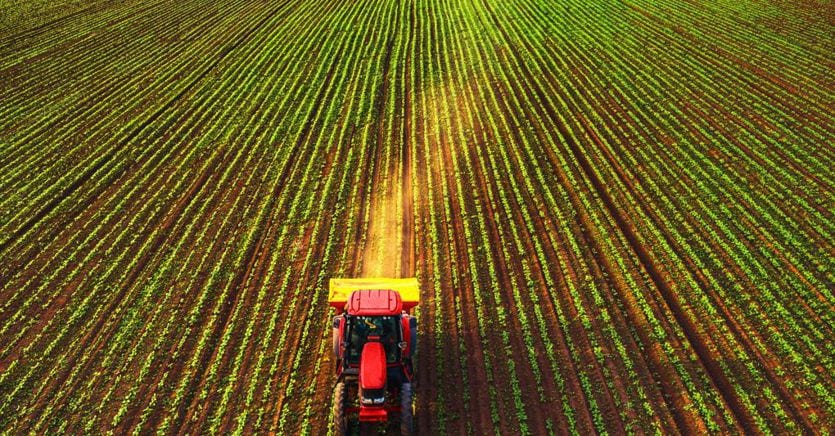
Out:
{"x": 340, "y": 421}
{"x": 406, "y": 424}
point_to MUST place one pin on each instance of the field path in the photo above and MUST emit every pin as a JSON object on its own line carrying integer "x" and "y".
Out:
{"x": 388, "y": 250}
{"x": 389, "y": 238}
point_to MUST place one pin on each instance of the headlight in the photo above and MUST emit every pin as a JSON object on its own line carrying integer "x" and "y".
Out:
{"x": 373, "y": 397}
{"x": 372, "y": 401}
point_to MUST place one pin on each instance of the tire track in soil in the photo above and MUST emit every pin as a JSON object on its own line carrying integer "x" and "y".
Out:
{"x": 424, "y": 373}
{"x": 659, "y": 371}
{"x": 662, "y": 374}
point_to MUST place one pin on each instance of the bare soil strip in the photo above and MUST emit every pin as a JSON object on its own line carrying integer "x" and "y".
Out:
{"x": 389, "y": 249}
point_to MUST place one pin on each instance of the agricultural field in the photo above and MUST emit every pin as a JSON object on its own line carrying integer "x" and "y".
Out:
{"x": 621, "y": 212}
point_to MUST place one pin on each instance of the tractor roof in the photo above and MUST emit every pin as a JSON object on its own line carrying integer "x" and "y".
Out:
{"x": 374, "y": 302}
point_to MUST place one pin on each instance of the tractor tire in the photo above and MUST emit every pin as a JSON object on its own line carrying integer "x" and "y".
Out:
{"x": 406, "y": 419}
{"x": 340, "y": 421}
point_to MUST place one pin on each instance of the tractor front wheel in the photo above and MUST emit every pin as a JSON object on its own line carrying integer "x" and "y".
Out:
{"x": 406, "y": 424}
{"x": 340, "y": 421}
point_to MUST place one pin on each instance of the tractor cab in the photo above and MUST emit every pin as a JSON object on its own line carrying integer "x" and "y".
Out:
{"x": 384, "y": 329}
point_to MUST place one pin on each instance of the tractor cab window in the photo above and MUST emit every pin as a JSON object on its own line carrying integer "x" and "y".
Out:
{"x": 363, "y": 327}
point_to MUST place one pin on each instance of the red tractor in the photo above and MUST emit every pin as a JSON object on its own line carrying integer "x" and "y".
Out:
{"x": 374, "y": 341}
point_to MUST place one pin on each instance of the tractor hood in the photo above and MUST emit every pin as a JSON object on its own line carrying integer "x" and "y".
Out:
{"x": 373, "y": 367}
